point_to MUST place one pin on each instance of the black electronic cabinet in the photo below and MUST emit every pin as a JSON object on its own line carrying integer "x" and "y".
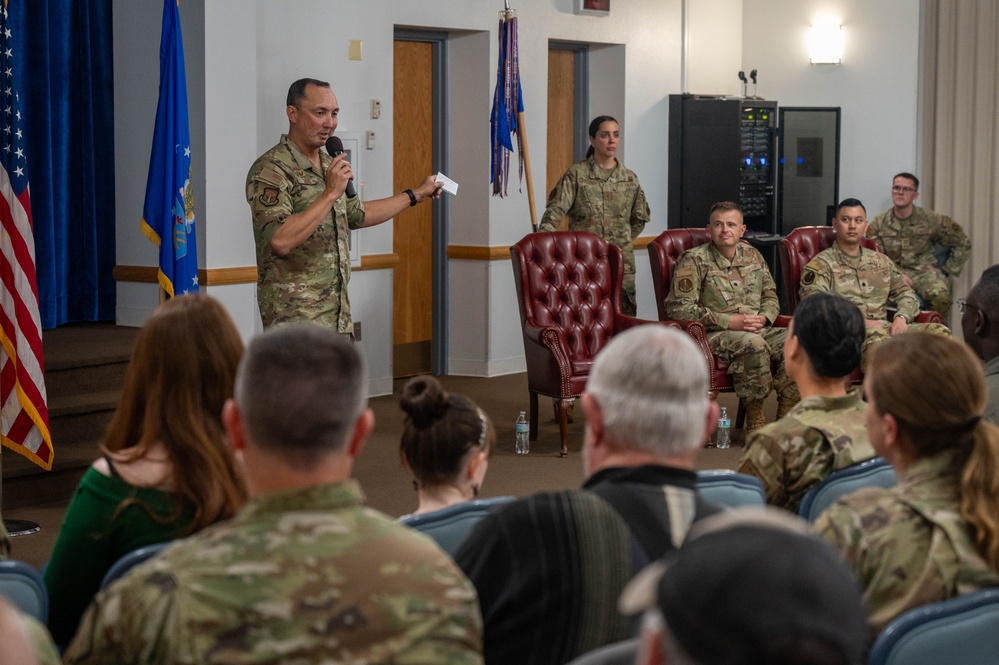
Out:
{"x": 722, "y": 149}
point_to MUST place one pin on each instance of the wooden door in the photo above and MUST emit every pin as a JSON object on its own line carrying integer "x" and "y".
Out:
{"x": 561, "y": 114}
{"x": 412, "y": 309}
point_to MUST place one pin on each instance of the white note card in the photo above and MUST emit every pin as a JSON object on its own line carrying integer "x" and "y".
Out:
{"x": 448, "y": 185}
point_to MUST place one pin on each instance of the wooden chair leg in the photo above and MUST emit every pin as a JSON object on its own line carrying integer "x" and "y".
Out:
{"x": 563, "y": 424}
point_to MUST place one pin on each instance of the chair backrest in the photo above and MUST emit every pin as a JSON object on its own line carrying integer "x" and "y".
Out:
{"x": 730, "y": 488}
{"x": 450, "y": 526}
{"x": 960, "y": 630}
{"x": 875, "y": 472}
{"x": 618, "y": 653}
{"x": 664, "y": 250}
{"x": 24, "y": 587}
{"x": 798, "y": 248}
{"x": 570, "y": 280}
{"x": 131, "y": 560}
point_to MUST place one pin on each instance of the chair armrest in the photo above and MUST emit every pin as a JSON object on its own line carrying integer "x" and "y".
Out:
{"x": 548, "y": 337}
{"x": 782, "y": 321}
{"x": 928, "y": 316}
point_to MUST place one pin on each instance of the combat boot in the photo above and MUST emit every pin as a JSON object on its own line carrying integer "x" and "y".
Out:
{"x": 754, "y": 417}
{"x": 784, "y": 404}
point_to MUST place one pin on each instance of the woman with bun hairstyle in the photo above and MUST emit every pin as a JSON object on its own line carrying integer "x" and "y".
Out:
{"x": 825, "y": 431}
{"x": 935, "y": 534}
{"x": 602, "y": 195}
{"x": 446, "y": 444}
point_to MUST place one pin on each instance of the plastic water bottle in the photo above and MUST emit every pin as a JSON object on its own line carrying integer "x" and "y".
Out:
{"x": 723, "y": 435}
{"x": 523, "y": 440}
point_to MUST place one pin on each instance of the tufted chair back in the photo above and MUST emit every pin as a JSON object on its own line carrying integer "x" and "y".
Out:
{"x": 798, "y": 248}
{"x": 663, "y": 253}
{"x": 572, "y": 281}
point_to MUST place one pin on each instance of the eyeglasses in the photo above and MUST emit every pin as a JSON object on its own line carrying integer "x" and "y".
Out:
{"x": 963, "y": 305}
{"x": 902, "y": 190}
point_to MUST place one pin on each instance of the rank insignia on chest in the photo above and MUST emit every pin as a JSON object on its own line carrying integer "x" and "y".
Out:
{"x": 808, "y": 277}
{"x": 269, "y": 196}
{"x": 685, "y": 284}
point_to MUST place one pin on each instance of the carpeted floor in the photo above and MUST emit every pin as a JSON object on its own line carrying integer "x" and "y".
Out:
{"x": 389, "y": 488}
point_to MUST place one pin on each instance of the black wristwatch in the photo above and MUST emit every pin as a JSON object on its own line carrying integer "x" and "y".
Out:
{"x": 412, "y": 198}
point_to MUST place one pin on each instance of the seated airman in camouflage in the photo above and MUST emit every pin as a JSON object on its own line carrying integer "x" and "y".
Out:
{"x": 726, "y": 285}
{"x": 909, "y": 235}
{"x": 825, "y": 431}
{"x": 305, "y": 573}
{"x": 868, "y": 279}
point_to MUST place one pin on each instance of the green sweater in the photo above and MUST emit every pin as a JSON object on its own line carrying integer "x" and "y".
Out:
{"x": 92, "y": 538}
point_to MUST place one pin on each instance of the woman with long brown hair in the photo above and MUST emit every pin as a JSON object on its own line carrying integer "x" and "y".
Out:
{"x": 935, "y": 534}
{"x": 166, "y": 470}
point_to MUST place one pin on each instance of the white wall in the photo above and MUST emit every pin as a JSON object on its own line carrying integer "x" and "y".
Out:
{"x": 876, "y": 85}
{"x": 242, "y": 54}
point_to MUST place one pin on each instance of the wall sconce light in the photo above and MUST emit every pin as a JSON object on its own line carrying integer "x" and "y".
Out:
{"x": 825, "y": 42}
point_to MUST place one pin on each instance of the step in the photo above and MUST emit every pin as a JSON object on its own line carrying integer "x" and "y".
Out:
{"x": 82, "y": 379}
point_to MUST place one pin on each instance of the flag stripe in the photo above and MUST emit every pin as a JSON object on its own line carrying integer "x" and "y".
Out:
{"x": 23, "y": 411}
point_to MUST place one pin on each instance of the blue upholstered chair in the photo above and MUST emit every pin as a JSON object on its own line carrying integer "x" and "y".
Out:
{"x": 732, "y": 489}
{"x": 450, "y": 526}
{"x": 618, "y": 653}
{"x": 24, "y": 587}
{"x": 962, "y": 630}
{"x": 875, "y": 472}
{"x": 131, "y": 560}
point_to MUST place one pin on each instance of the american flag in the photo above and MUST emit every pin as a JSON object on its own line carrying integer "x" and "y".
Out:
{"x": 24, "y": 416}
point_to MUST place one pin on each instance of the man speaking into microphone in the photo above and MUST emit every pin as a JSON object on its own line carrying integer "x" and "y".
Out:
{"x": 304, "y": 205}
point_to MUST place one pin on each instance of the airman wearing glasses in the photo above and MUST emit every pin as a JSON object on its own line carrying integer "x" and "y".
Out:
{"x": 980, "y": 323}
{"x": 912, "y": 237}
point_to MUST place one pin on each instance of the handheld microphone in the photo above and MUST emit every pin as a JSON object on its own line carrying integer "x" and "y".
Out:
{"x": 334, "y": 146}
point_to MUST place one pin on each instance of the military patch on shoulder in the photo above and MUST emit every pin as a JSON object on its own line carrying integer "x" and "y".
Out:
{"x": 684, "y": 272}
{"x": 269, "y": 197}
{"x": 808, "y": 277}
{"x": 685, "y": 284}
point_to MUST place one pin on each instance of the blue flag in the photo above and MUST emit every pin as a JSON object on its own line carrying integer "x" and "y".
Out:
{"x": 168, "y": 212}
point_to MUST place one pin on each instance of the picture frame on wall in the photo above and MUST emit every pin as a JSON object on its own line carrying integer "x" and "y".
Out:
{"x": 593, "y": 7}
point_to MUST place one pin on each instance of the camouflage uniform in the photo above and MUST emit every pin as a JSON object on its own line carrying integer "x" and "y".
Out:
{"x": 818, "y": 436}
{"x": 910, "y": 244}
{"x": 709, "y": 288}
{"x": 610, "y": 203}
{"x": 310, "y": 283}
{"x": 870, "y": 281}
{"x": 909, "y": 544}
{"x": 306, "y": 575}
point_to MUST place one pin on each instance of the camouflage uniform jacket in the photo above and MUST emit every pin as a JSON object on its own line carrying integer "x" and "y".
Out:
{"x": 871, "y": 286}
{"x": 615, "y": 209}
{"x": 709, "y": 288}
{"x": 310, "y": 283}
{"x": 307, "y": 575}
{"x": 908, "y": 544}
{"x": 816, "y": 437}
{"x": 910, "y": 242}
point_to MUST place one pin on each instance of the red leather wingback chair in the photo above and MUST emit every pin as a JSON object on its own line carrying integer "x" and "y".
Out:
{"x": 801, "y": 245}
{"x": 664, "y": 251}
{"x": 569, "y": 293}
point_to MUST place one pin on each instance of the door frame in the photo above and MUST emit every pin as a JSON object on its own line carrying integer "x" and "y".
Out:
{"x": 580, "y": 93}
{"x": 440, "y": 218}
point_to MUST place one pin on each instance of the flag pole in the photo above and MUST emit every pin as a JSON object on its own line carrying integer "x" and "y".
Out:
{"x": 527, "y": 171}
{"x": 522, "y": 124}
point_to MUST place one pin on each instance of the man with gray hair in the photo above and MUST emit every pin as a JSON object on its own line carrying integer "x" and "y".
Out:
{"x": 548, "y": 568}
{"x": 305, "y": 572}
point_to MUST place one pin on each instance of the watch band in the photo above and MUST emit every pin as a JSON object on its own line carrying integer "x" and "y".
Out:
{"x": 412, "y": 197}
